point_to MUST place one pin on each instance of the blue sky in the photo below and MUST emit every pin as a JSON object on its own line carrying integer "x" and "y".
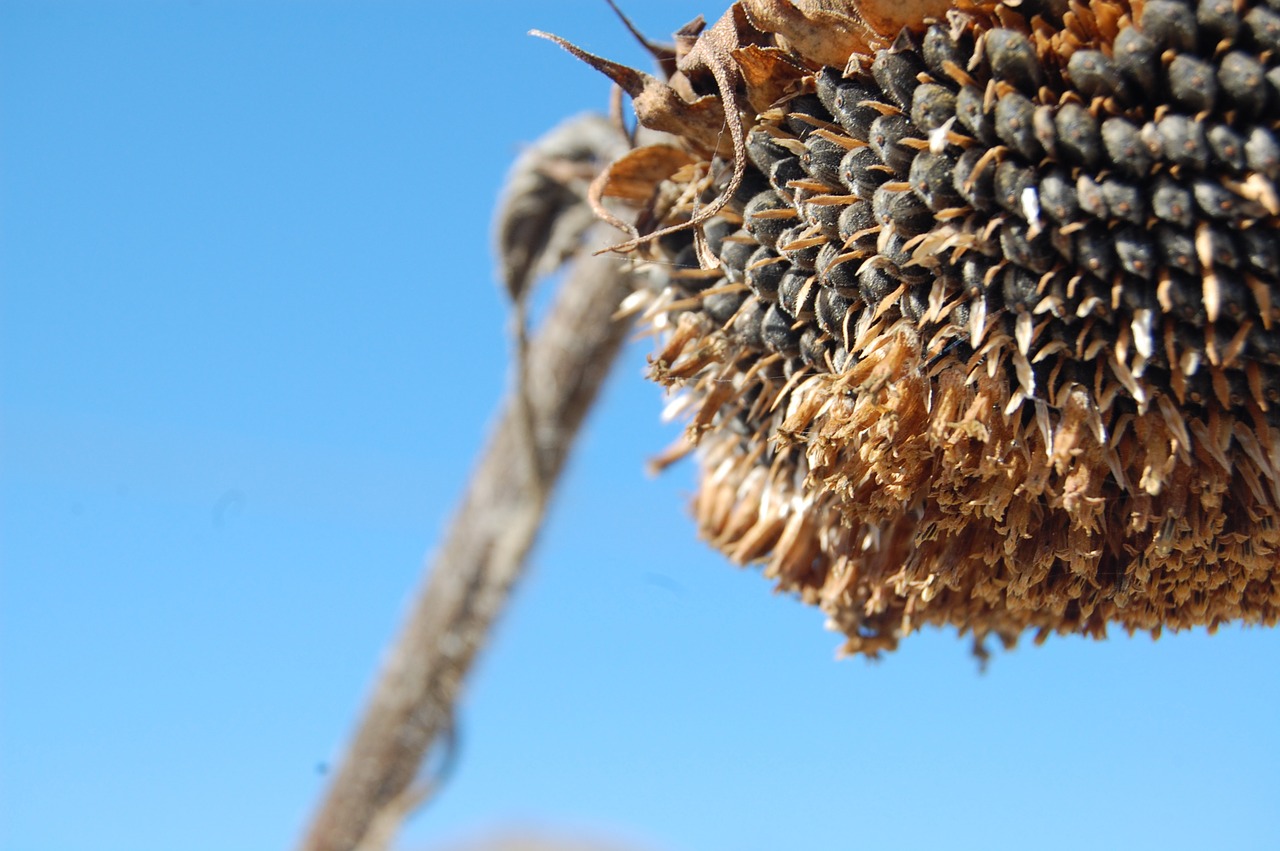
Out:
{"x": 250, "y": 340}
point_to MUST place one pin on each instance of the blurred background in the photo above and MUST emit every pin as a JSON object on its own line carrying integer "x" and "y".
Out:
{"x": 251, "y": 341}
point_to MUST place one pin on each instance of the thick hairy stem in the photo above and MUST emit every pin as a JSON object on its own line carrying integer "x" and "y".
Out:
{"x": 471, "y": 578}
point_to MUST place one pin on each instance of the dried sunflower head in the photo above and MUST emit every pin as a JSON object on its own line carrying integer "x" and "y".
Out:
{"x": 971, "y": 306}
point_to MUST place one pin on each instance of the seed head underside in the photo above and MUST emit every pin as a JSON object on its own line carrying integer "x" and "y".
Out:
{"x": 983, "y": 334}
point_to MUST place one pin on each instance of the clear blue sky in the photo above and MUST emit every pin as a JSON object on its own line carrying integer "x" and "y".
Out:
{"x": 251, "y": 340}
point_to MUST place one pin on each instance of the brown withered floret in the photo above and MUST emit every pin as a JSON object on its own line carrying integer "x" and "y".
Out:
{"x": 987, "y": 329}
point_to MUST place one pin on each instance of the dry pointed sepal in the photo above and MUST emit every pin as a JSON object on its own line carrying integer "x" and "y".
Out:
{"x": 662, "y": 54}
{"x": 657, "y": 105}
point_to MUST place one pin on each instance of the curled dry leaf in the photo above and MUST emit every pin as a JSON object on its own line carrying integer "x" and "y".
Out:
{"x": 633, "y": 177}
{"x": 543, "y": 212}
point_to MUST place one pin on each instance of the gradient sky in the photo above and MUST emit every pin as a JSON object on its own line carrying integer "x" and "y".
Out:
{"x": 251, "y": 339}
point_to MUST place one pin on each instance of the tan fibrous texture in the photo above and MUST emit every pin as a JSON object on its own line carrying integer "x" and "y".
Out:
{"x": 972, "y": 318}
